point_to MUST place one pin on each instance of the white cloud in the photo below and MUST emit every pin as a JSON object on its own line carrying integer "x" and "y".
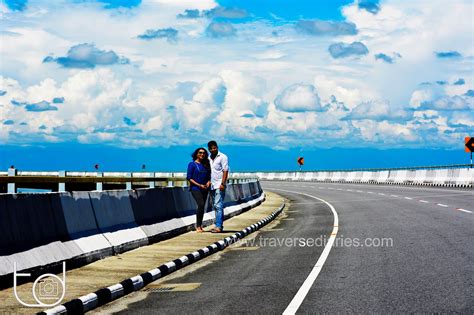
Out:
{"x": 378, "y": 110}
{"x": 242, "y": 87}
{"x": 198, "y": 113}
{"x": 299, "y": 98}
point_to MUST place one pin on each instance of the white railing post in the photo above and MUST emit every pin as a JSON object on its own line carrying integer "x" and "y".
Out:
{"x": 98, "y": 185}
{"x": 129, "y": 184}
{"x": 62, "y": 186}
{"x": 11, "y": 186}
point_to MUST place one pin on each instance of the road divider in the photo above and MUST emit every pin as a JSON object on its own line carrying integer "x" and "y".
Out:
{"x": 448, "y": 176}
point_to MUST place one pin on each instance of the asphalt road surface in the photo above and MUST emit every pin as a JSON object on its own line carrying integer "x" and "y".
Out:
{"x": 397, "y": 249}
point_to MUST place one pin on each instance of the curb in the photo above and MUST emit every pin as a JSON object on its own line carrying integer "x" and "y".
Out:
{"x": 105, "y": 295}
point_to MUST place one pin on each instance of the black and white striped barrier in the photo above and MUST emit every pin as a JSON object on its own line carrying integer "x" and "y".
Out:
{"x": 105, "y": 295}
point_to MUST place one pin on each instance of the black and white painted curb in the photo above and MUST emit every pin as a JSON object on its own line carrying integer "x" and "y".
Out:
{"x": 105, "y": 295}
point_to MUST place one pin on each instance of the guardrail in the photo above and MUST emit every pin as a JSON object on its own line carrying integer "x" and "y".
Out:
{"x": 430, "y": 176}
{"x": 376, "y": 169}
{"x": 70, "y": 180}
{"x": 439, "y": 175}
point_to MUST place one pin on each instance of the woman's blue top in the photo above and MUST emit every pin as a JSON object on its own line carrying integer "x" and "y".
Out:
{"x": 199, "y": 173}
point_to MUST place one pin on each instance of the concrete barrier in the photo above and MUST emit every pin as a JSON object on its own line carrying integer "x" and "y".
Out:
{"x": 373, "y": 177}
{"x": 460, "y": 177}
{"x": 39, "y": 231}
{"x": 148, "y": 206}
{"x": 430, "y": 177}
{"x": 465, "y": 177}
{"x": 116, "y": 221}
{"x": 81, "y": 224}
{"x": 350, "y": 177}
{"x": 365, "y": 177}
{"x": 36, "y": 233}
{"x": 383, "y": 177}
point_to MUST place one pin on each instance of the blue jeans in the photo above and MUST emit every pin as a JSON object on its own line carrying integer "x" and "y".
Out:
{"x": 217, "y": 200}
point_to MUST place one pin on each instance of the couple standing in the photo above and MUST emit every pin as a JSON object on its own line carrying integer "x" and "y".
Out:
{"x": 208, "y": 175}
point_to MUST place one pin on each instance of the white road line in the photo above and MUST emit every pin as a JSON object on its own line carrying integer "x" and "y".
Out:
{"x": 381, "y": 194}
{"x": 442, "y": 205}
{"x": 370, "y": 192}
{"x": 359, "y": 191}
{"x": 408, "y": 198}
{"x": 393, "y": 195}
{"x": 424, "y": 201}
{"x": 304, "y": 289}
{"x": 464, "y": 210}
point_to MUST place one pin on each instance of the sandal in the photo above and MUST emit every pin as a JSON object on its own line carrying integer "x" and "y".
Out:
{"x": 217, "y": 230}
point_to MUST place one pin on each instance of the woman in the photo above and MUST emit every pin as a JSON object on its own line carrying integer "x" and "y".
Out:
{"x": 199, "y": 177}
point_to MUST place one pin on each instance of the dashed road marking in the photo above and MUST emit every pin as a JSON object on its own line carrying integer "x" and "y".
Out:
{"x": 395, "y": 196}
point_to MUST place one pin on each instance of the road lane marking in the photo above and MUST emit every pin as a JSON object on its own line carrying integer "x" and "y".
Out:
{"x": 308, "y": 283}
{"x": 437, "y": 190}
{"x": 407, "y": 198}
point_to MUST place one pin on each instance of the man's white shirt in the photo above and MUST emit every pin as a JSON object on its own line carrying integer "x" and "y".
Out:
{"x": 218, "y": 166}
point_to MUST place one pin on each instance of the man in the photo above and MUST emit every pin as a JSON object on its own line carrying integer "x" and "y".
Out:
{"x": 219, "y": 173}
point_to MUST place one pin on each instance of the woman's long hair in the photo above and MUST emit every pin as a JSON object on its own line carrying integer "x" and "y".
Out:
{"x": 205, "y": 158}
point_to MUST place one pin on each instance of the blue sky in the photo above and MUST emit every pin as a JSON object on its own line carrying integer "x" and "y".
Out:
{"x": 67, "y": 156}
{"x": 157, "y": 77}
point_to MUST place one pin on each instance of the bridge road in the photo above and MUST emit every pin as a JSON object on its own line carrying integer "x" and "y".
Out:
{"x": 426, "y": 267}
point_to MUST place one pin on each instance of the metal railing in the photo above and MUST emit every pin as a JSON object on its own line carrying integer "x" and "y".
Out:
{"x": 12, "y": 180}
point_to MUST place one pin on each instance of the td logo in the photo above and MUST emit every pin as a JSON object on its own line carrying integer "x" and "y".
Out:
{"x": 50, "y": 289}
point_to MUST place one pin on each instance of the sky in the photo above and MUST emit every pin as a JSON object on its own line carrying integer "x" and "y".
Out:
{"x": 134, "y": 81}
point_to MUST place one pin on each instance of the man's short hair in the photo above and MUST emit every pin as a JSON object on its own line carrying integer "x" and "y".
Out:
{"x": 211, "y": 144}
